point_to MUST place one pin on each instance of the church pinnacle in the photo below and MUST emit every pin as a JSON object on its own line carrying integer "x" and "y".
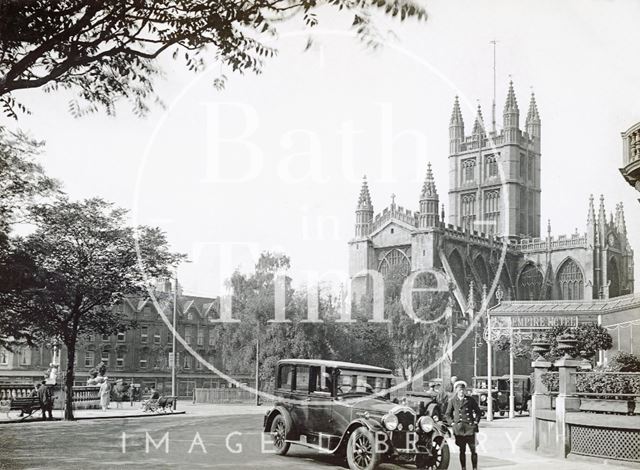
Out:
{"x": 532, "y": 123}
{"x": 364, "y": 201}
{"x": 478, "y": 125}
{"x": 511, "y": 104}
{"x": 429, "y": 186}
{"x": 456, "y": 114}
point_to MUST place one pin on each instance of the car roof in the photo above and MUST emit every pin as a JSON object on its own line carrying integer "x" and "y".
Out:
{"x": 336, "y": 364}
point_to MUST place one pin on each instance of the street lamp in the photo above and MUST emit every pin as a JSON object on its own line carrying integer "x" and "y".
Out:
{"x": 173, "y": 344}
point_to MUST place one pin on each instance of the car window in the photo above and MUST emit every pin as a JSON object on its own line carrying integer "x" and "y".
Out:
{"x": 285, "y": 378}
{"x": 355, "y": 382}
{"x": 302, "y": 378}
{"x": 321, "y": 380}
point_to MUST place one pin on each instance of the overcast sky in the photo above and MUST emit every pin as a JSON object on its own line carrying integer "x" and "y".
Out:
{"x": 274, "y": 162}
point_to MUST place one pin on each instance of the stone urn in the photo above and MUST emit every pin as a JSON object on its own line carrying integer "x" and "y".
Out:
{"x": 567, "y": 344}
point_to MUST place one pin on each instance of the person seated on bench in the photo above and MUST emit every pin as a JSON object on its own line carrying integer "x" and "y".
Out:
{"x": 153, "y": 399}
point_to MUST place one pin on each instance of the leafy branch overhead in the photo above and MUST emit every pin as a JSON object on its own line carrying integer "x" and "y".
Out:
{"x": 106, "y": 51}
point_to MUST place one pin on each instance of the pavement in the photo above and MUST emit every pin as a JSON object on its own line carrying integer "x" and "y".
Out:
{"x": 225, "y": 437}
{"x": 134, "y": 411}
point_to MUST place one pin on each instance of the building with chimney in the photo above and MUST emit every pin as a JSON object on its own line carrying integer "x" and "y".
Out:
{"x": 494, "y": 214}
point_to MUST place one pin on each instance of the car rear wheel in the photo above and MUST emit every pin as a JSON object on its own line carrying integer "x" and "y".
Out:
{"x": 279, "y": 435}
{"x": 361, "y": 450}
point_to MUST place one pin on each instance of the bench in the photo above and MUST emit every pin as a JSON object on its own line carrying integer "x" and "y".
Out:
{"x": 26, "y": 406}
{"x": 157, "y": 405}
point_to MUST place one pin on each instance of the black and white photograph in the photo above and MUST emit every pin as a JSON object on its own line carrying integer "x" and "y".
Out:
{"x": 319, "y": 234}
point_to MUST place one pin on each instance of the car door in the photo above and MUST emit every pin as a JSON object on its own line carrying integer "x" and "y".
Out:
{"x": 320, "y": 405}
{"x": 300, "y": 399}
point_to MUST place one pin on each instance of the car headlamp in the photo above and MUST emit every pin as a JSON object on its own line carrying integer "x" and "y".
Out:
{"x": 426, "y": 424}
{"x": 483, "y": 398}
{"x": 390, "y": 422}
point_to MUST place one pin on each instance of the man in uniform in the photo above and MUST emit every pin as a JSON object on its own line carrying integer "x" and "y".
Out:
{"x": 463, "y": 414}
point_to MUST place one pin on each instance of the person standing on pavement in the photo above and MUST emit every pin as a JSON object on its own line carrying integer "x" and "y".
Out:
{"x": 46, "y": 402}
{"x": 105, "y": 394}
{"x": 463, "y": 414}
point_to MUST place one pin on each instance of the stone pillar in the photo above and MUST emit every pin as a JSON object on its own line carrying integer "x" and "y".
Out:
{"x": 566, "y": 401}
{"x": 541, "y": 398}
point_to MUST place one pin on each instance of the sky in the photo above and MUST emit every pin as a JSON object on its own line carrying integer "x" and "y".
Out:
{"x": 274, "y": 162}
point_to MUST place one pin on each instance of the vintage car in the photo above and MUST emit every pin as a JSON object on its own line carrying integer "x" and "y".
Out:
{"x": 425, "y": 403}
{"x": 345, "y": 409}
{"x": 500, "y": 393}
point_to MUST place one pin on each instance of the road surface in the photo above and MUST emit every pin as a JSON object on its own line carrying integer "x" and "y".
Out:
{"x": 233, "y": 442}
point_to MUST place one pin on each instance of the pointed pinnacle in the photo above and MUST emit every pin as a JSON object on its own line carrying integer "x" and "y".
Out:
{"x": 456, "y": 115}
{"x": 364, "y": 201}
{"x": 429, "y": 186}
{"x": 511, "y": 104}
{"x": 478, "y": 125}
{"x": 532, "y": 114}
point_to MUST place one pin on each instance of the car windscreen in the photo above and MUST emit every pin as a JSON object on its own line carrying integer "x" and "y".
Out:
{"x": 364, "y": 383}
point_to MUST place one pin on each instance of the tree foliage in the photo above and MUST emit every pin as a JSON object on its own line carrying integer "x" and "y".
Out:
{"x": 106, "y": 51}
{"x": 416, "y": 344}
{"x": 81, "y": 260}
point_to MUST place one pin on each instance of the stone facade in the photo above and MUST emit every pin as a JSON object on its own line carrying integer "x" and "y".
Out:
{"x": 141, "y": 354}
{"x": 494, "y": 204}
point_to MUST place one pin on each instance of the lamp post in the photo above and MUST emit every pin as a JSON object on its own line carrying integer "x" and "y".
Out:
{"x": 173, "y": 342}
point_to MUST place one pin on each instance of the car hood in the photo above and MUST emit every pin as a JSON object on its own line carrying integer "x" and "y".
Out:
{"x": 374, "y": 406}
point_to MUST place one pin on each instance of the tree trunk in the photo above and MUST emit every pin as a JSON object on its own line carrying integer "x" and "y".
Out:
{"x": 68, "y": 381}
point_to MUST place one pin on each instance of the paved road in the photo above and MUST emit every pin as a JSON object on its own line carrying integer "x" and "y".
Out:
{"x": 232, "y": 442}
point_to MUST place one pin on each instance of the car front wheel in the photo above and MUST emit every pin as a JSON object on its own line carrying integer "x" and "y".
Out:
{"x": 279, "y": 435}
{"x": 361, "y": 450}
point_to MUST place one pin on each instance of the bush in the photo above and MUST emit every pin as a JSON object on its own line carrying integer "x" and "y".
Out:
{"x": 624, "y": 362}
{"x": 600, "y": 382}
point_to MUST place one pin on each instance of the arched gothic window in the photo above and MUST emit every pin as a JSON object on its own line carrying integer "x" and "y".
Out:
{"x": 392, "y": 259}
{"x": 570, "y": 281}
{"x": 492, "y": 211}
{"x": 468, "y": 211}
{"x": 613, "y": 276}
{"x": 530, "y": 283}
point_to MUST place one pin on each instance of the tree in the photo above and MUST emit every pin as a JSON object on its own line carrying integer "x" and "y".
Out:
{"x": 106, "y": 51}
{"x": 22, "y": 182}
{"x": 81, "y": 260}
{"x": 415, "y": 344}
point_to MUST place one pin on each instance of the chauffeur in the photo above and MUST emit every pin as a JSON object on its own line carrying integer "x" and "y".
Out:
{"x": 463, "y": 413}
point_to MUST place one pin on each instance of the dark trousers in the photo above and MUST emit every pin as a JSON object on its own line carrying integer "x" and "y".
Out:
{"x": 47, "y": 409}
{"x": 462, "y": 442}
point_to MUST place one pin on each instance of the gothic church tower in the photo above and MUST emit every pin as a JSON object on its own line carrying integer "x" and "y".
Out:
{"x": 494, "y": 177}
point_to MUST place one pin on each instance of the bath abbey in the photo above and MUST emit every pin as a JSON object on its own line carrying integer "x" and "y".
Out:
{"x": 493, "y": 214}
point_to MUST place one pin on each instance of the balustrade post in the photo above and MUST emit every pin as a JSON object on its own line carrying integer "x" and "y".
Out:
{"x": 567, "y": 399}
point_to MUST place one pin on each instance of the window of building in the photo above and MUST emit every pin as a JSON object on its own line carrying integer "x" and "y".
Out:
{"x": 530, "y": 171}
{"x": 530, "y": 284}
{"x": 523, "y": 166}
{"x": 491, "y": 166}
{"x": 492, "y": 211}
{"x": 90, "y": 338}
{"x": 122, "y": 336}
{"x": 143, "y": 363}
{"x": 200, "y": 336}
{"x": 146, "y": 310}
{"x": 106, "y": 337}
{"x": 570, "y": 281}
{"x": 212, "y": 341}
{"x": 25, "y": 357}
{"x": 105, "y": 357}
{"x": 468, "y": 211}
{"x": 391, "y": 230}
{"x": 468, "y": 169}
{"x": 120, "y": 358}
{"x": 189, "y": 315}
{"x": 187, "y": 362}
{"x": 4, "y": 357}
{"x": 89, "y": 358}
{"x": 144, "y": 334}
{"x": 395, "y": 260}
{"x": 198, "y": 365}
{"x": 187, "y": 334}
{"x": 169, "y": 336}
{"x": 156, "y": 337}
